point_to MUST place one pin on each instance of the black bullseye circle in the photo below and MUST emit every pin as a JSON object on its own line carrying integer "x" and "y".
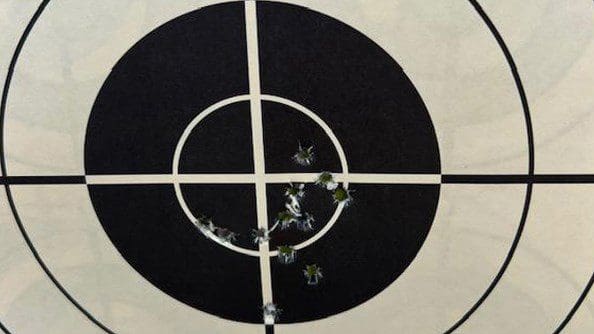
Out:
{"x": 199, "y": 59}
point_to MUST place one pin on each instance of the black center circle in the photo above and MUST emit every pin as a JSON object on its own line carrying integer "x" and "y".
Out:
{"x": 194, "y": 61}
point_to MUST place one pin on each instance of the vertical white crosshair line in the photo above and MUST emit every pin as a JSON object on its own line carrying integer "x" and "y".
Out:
{"x": 251, "y": 24}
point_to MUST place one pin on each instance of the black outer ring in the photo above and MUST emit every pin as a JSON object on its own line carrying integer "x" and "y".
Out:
{"x": 465, "y": 317}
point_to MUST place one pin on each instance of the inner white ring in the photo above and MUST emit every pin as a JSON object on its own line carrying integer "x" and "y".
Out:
{"x": 205, "y": 113}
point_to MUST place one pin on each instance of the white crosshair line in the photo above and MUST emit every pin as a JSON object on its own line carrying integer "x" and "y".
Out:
{"x": 253, "y": 55}
{"x": 260, "y": 178}
{"x": 361, "y": 178}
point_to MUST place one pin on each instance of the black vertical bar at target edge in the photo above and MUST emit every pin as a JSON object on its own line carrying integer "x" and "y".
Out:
{"x": 269, "y": 329}
{"x": 7, "y": 82}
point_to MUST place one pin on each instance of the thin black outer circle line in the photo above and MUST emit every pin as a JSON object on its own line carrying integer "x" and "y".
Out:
{"x": 575, "y": 307}
{"x": 4, "y": 329}
{"x": 530, "y": 135}
{"x": 11, "y": 68}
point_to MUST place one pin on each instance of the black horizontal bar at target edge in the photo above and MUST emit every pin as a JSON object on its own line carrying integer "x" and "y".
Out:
{"x": 64, "y": 179}
{"x": 517, "y": 179}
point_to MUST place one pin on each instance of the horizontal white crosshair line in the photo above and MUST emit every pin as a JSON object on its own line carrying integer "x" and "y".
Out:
{"x": 360, "y": 178}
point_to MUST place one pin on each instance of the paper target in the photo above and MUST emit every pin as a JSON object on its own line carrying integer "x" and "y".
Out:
{"x": 123, "y": 125}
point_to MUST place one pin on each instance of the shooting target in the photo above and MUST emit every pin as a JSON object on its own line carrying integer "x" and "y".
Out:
{"x": 460, "y": 128}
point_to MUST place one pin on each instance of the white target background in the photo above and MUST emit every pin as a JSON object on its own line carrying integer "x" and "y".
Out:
{"x": 464, "y": 78}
